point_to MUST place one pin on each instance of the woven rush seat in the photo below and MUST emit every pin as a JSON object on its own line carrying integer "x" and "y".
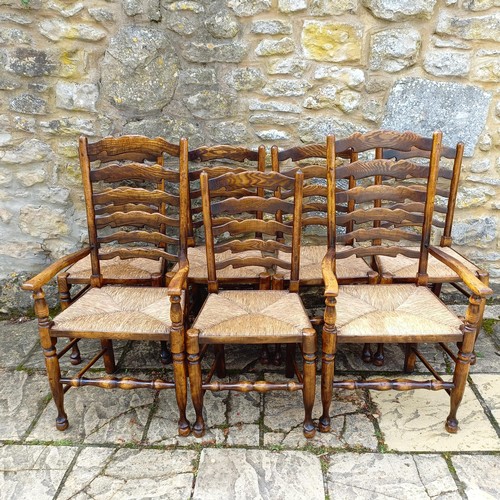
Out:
{"x": 389, "y": 310}
{"x": 115, "y": 310}
{"x": 311, "y": 257}
{"x": 116, "y": 268}
{"x": 241, "y": 313}
{"x": 406, "y": 267}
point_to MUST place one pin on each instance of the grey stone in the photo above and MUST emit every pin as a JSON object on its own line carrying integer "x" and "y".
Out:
{"x": 29, "y": 151}
{"x": 68, "y": 11}
{"x": 272, "y": 135}
{"x": 471, "y": 28}
{"x": 183, "y": 23}
{"x": 222, "y": 25}
{"x": 408, "y": 109}
{"x": 487, "y": 68}
{"x": 480, "y": 179}
{"x": 70, "y": 126}
{"x": 229, "y": 133}
{"x": 476, "y": 232}
{"x": 478, "y": 167}
{"x": 43, "y": 221}
{"x": 394, "y": 49}
{"x": 478, "y": 474}
{"x": 291, "y": 66}
{"x": 353, "y": 78}
{"x": 15, "y": 36}
{"x": 473, "y": 196}
{"x": 292, "y": 5}
{"x": 31, "y": 62}
{"x": 101, "y": 15}
{"x": 24, "y": 123}
{"x": 444, "y": 63}
{"x": 15, "y": 18}
{"x": 200, "y": 52}
{"x": 57, "y": 29}
{"x": 258, "y": 474}
{"x": 479, "y": 5}
{"x": 28, "y": 104}
{"x": 247, "y": 78}
{"x": 449, "y": 43}
{"x": 141, "y": 70}
{"x": 245, "y": 8}
{"x": 33, "y": 471}
{"x": 198, "y": 76}
{"x": 400, "y": 10}
{"x": 316, "y": 129}
{"x": 283, "y": 107}
{"x": 244, "y": 408}
{"x": 275, "y": 47}
{"x": 332, "y": 7}
{"x": 485, "y": 142}
{"x": 373, "y": 110}
{"x": 210, "y": 104}
{"x": 8, "y": 84}
{"x": 172, "y": 6}
{"x": 243, "y": 435}
{"x": 322, "y": 97}
{"x": 272, "y": 27}
{"x": 31, "y": 176}
{"x": 273, "y": 118}
{"x": 77, "y": 96}
{"x": 398, "y": 476}
{"x": 286, "y": 88}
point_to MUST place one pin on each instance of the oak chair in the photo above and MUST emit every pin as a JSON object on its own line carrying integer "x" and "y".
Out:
{"x": 129, "y": 218}
{"x": 401, "y": 200}
{"x": 138, "y": 158}
{"x": 267, "y": 315}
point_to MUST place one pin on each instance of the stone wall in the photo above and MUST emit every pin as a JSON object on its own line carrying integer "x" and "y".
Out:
{"x": 234, "y": 71}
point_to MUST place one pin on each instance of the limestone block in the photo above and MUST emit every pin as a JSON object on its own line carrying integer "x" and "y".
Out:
{"x": 141, "y": 70}
{"x": 424, "y": 106}
{"x": 275, "y": 47}
{"x": 353, "y": 78}
{"x": 70, "y": 126}
{"x": 273, "y": 118}
{"x": 24, "y": 123}
{"x": 316, "y": 129}
{"x": 329, "y": 41}
{"x": 485, "y": 142}
{"x": 348, "y": 100}
{"x": 272, "y": 135}
{"x": 5, "y": 215}
{"x": 73, "y": 63}
{"x": 283, "y": 107}
{"x": 77, "y": 96}
{"x": 272, "y": 27}
{"x": 292, "y": 5}
{"x": 332, "y": 7}
{"x": 229, "y": 133}
{"x": 31, "y": 62}
{"x": 446, "y": 42}
{"x": 222, "y": 25}
{"x": 210, "y": 104}
{"x": 16, "y": 18}
{"x": 445, "y": 63}
{"x": 286, "y": 88}
{"x": 32, "y": 176}
{"x": 247, "y": 78}
{"x": 101, "y": 15}
{"x": 43, "y": 221}
{"x": 472, "y": 28}
{"x": 67, "y": 11}
{"x": 394, "y": 49}
{"x": 15, "y": 36}
{"x": 243, "y": 8}
{"x": 480, "y": 166}
{"x": 400, "y": 10}
{"x": 200, "y": 52}
{"x": 5, "y": 176}
{"x": 480, "y": 475}
{"x": 57, "y": 29}
{"x": 291, "y": 66}
{"x": 479, "y": 5}
{"x": 373, "y": 110}
{"x": 29, "y": 151}
{"x": 198, "y": 76}
{"x": 479, "y": 232}
{"x": 487, "y": 68}
{"x": 473, "y": 197}
{"x": 8, "y": 84}
{"x": 323, "y": 97}
{"x": 183, "y": 23}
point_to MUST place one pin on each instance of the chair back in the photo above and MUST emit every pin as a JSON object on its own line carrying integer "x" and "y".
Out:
{"x": 232, "y": 223}
{"x": 127, "y": 203}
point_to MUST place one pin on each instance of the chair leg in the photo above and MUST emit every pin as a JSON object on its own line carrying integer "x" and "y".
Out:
{"x": 180, "y": 378}
{"x": 379, "y": 357}
{"x": 309, "y": 380}
{"x": 277, "y": 357}
{"x": 108, "y": 356}
{"x": 436, "y": 289}
{"x": 65, "y": 300}
{"x": 54, "y": 375}
{"x": 410, "y": 358}
{"x": 195, "y": 381}
{"x": 165, "y": 354}
{"x": 264, "y": 355}
{"x": 290, "y": 358}
{"x": 366, "y": 354}
{"x": 220, "y": 361}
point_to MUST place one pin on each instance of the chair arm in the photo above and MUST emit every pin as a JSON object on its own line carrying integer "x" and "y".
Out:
{"x": 179, "y": 279}
{"x": 329, "y": 278}
{"x": 49, "y": 272}
{"x": 473, "y": 282}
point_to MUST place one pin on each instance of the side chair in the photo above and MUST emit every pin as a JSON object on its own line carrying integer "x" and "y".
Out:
{"x": 399, "y": 197}
{"x": 267, "y": 315}
{"x": 127, "y": 217}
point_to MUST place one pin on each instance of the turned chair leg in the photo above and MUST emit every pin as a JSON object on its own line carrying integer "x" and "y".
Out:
{"x": 180, "y": 377}
{"x": 165, "y": 354}
{"x": 309, "y": 380}
{"x": 64, "y": 289}
{"x": 366, "y": 354}
{"x": 220, "y": 361}
{"x": 195, "y": 380}
{"x": 108, "y": 356}
{"x": 410, "y": 358}
{"x": 54, "y": 375}
{"x": 379, "y": 357}
{"x": 290, "y": 358}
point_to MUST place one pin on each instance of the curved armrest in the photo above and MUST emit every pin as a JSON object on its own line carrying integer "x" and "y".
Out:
{"x": 473, "y": 282}
{"x": 331, "y": 284}
{"x": 179, "y": 279}
{"x": 49, "y": 272}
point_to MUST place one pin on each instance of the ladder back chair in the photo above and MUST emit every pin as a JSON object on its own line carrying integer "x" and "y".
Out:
{"x": 127, "y": 161}
{"x": 129, "y": 218}
{"x": 268, "y": 315}
{"x": 392, "y": 312}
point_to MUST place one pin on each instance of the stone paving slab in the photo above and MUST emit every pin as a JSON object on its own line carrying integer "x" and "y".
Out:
{"x": 33, "y": 472}
{"x": 17, "y": 339}
{"x": 479, "y": 475}
{"x": 258, "y": 474}
{"x": 414, "y": 421}
{"x": 489, "y": 388}
{"x": 374, "y": 476}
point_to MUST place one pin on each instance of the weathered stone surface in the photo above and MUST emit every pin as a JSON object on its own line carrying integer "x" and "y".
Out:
{"x": 210, "y": 104}
{"x": 394, "y": 49}
{"x": 15, "y": 37}
{"x": 29, "y": 104}
{"x": 444, "y": 63}
{"x": 149, "y": 8}
{"x": 322, "y": 97}
{"x": 57, "y": 29}
{"x": 29, "y": 151}
{"x": 408, "y": 109}
{"x": 258, "y": 474}
{"x": 31, "y": 62}
{"x": 291, "y": 66}
{"x": 43, "y": 222}
{"x": 332, "y": 7}
{"x": 173, "y": 6}
{"x": 200, "y": 52}
{"x": 101, "y": 15}
{"x": 342, "y": 77}
{"x": 400, "y": 10}
{"x": 286, "y": 88}
{"x": 229, "y": 133}
{"x": 329, "y": 41}
{"x": 222, "y": 25}
{"x": 24, "y": 123}
{"x": 480, "y": 475}
{"x": 273, "y": 118}
{"x": 70, "y": 126}
{"x": 17, "y": 339}
{"x": 31, "y": 176}
{"x": 283, "y": 107}
{"x": 198, "y": 76}
{"x": 247, "y": 78}
{"x": 473, "y": 196}
{"x": 245, "y": 8}
{"x": 273, "y": 27}
{"x": 485, "y": 142}
{"x": 33, "y": 471}
{"x": 243, "y": 435}
{"x": 470, "y": 28}
{"x": 292, "y": 5}
{"x": 487, "y": 68}
{"x": 449, "y": 43}
{"x": 489, "y": 388}
{"x": 479, "y": 5}
{"x": 67, "y": 11}
{"x": 77, "y": 96}
{"x": 316, "y": 129}
{"x": 183, "y": 23}
{"x": 373, "y": 110}
{"x": 480, "y": 166}
{"x": 476, "y": 232}
{"x": 272, "y": 135}
{"x": 141, "y": 70}
{"x": 397, "y": 476}
{"x": 275, "y": 47}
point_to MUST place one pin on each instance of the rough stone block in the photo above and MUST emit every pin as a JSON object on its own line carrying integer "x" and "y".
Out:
{"x": 445, "y": 63}
{"x": 480, "y": 475}
{"x": 487, "y": 68}
{"x": 479, "y": 5}
{"x": 283, "y": 107}
{"x": 329, "y": 41}
{"x": 478, "y": 232}
{"x": 31, "y": 62}
{"x": 272, "y": 27}
{"x": 57, "y": 29}
{"x": 210, "y": 104}
{"x": 424, "y": 106}
{"x": 272, "y": 135}
{"x": 353, "y": 78}
{"x": 244, "y": 8}
{"x": 29, "y": 151}
{"x": 286, "y": 88}
{"x": 291, "y": 66}
{"x": 200, "y": 52}
{"x": 472, "y": 28}
{"x": 275, "y": 47}
{"x": 198, "y": 76}
{"x": 28, "y": 104}
{"x": 316, "y": 129}
{"x": 77, "y": 96}
{"x": 222, "y": 25}
{"x": 394, "y": 49}
{"x": 247, "y": 78}
{"x": 292, "y": 5}
{"x": 400, "y": 10}
{"x": 332, "y": 7}
{"x": 229, "y": 133}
